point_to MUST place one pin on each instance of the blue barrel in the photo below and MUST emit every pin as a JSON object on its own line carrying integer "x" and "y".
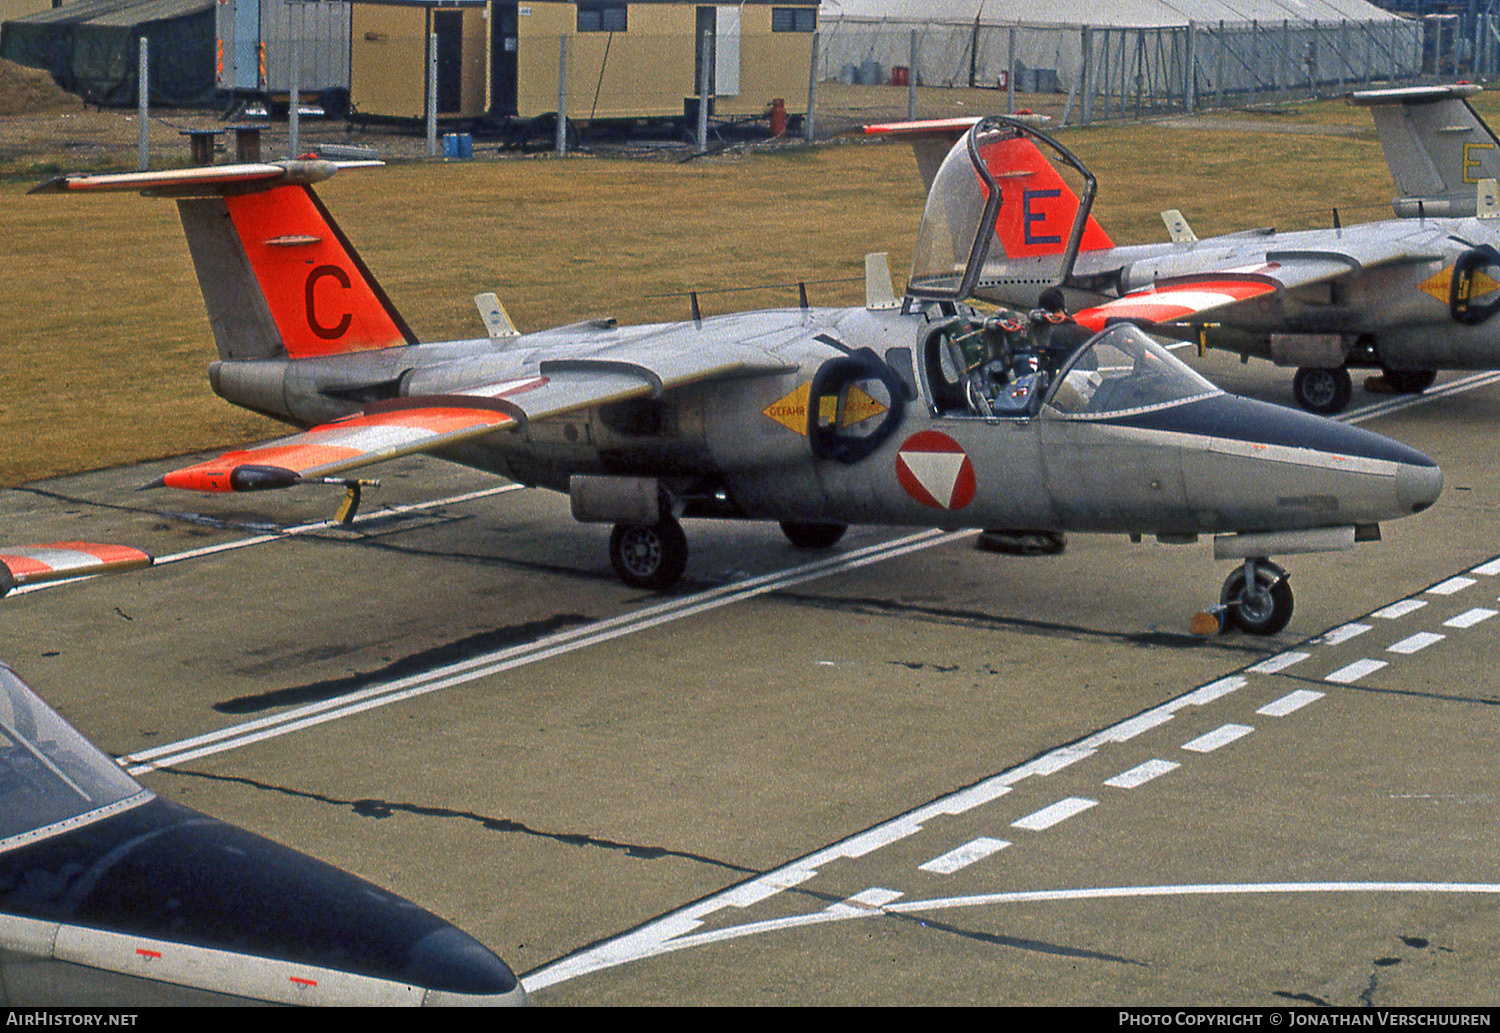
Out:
{"x": 458, "y": 145}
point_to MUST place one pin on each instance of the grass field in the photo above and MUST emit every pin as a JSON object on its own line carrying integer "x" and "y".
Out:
{"x": 105, "y": 345}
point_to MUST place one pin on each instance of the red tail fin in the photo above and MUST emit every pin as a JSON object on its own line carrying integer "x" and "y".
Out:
{"x": 1037, "y": 206}
{"x": 322, "y": 297}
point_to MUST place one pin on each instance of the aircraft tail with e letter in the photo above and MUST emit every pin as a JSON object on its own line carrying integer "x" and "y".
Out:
{"x": 279, "y": 278}
{"x": 1437, "y": 147}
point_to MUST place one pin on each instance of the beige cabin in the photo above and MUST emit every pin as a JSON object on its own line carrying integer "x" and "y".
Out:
{"x": 625, "y": 60}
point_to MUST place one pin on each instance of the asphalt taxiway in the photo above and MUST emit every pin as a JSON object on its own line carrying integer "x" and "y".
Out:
{"x": 904, "y": 771}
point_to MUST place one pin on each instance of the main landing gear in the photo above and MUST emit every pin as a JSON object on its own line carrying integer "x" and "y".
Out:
{"x": 1256, "y": 598}
{"x": 655, "y": 555}
{"x": 1324, "y": 391}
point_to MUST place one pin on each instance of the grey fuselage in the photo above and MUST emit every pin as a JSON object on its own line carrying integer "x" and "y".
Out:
{"x": 1217, "y": 464}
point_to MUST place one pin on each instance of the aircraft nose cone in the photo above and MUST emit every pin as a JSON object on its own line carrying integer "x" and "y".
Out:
{"x": 1418, "y": 487}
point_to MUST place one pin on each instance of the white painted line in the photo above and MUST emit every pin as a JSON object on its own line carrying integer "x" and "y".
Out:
{"x": 1469, "y": 618}
{"x": 1141, "y": 774}
{"x": 1355, "y": 671}
{"x": 1488, "y": 569}
{"x": 1342, "y": 633}
{"x": 1413, "y": 643}
{"x": 1292, "y": 701}
{"x": 1400, "y": 609}
{"x": 1453, "y": 584}
{"x": 766, "y": 886}
{"x": 660, "y": 937}
{"x": 1280, "y": 662}
{"x": 1062, "y": 810}
{"x": 1221, "y": 736}
{"x": 870, "y": 901}
{"x": 970, "y": 852}
{"x": 1212, "y": 691}
{"x": 488, "y": 664}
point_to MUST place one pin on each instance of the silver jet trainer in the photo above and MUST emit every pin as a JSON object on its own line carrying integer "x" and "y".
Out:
{"x": 1407, "y": 296}
{"x": 907, "y": 411}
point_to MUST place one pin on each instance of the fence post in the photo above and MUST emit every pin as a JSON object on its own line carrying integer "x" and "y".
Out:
{"x": 143, "y": 105}
{"x": 812, "y": 90}
{"x": 911, "y": 80}
{"x": 432, "y": 71}
{"x": 1219, "y": 74}
{"x": 703, "y": 39}
{"x": 1010, "y": 71}
{"x": 1189, "y": 60}
{"x": 1085, "y": 78}
{"x": 294, "y": 116}
{"x": 560, "y": 139}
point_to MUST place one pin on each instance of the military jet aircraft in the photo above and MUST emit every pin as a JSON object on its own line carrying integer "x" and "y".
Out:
{"x": 111, "y": 896}
{"x": 817, "y": 418}
{"x": 1409, "y": 296}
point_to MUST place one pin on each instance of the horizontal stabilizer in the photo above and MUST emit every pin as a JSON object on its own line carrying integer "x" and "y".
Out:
{"x": 204, "y": 180}
{"x": 31, "y": 564}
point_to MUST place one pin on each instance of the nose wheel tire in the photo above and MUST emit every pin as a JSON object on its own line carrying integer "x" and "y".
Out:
{"x": 649, "y": 555}
{"x": 1324, "y": 391}
{"x": 813, "y": 536}
{"x": 1262, "y": 609}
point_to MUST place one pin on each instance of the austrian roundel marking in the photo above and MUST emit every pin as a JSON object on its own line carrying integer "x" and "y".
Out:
{"x": 933, "y": 469}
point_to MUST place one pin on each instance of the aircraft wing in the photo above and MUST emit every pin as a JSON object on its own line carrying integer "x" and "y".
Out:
{"x": 30, "y": 564}
{"x": 1179, "y": 298}
{"x": 423, "y": 423}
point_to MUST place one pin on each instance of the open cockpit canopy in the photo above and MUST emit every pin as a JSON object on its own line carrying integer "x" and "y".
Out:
{"x": 1120, "y": 372}
{"x": 1002, "y": 224}
{"x": 50, "y": 776}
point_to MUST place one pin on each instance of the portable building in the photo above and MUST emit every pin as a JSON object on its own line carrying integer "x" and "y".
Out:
{"x": 258, "y": 42}
{"x": 622, "y": 60}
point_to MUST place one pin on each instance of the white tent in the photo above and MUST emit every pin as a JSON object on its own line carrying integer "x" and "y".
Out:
{"x": 1137, "y": 54}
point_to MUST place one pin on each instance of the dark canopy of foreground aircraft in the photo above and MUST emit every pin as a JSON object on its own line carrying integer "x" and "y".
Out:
{"x": 1409, "y": 296}
{"x": 908, "y": 411}
{"x": 110, "y": 896}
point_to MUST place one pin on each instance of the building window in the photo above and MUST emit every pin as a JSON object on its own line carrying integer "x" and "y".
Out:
{"x": 794, "y": 19}
{"x": 601, "y": 17}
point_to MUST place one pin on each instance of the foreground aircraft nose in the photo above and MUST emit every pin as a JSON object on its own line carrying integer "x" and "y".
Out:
{"x": 195, "y": 910}
{"x": 1418, "y": 487}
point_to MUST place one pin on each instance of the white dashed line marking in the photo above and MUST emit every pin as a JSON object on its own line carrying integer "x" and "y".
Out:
{"x": 1221, "y": 736}
{"x": 1062, "y": 810}
{"x": 1341, "y": 634}
{"x": 1413, "y": 643}
{"x": 1292, "y": 701}
{"x": 975, "y": 850}
{"x": 1453, "y": 584}
{"x": 1400, "y": 609}
{"x": 1355, "y": 671}
{"x": 1490, "y": 568}
{"x": 1469, "y": 618}
{"x": 1280, "y": 662}
{"x": 1141, "y": 774}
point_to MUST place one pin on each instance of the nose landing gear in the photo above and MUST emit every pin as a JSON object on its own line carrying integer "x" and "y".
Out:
{"x": 1256, "y": 598}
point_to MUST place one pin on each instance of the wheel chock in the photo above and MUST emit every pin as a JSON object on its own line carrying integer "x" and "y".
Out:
{"x": 1208, "y": 622}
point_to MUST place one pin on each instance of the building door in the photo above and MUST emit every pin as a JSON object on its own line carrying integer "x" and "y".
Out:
{"x": 448, "y": 27}
{"x": 504, "y": 31}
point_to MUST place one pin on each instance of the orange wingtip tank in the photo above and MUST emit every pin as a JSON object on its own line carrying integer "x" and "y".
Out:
{"x": 30, "y": 564}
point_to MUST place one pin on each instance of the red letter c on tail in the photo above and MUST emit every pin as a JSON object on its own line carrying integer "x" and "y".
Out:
{"x": 327, "y": 333}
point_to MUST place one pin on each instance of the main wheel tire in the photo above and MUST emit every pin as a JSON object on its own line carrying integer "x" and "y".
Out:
{"x": 649, "y": 555}
{"x": 1410, "y": 381}
{"x": 813, "y": 536}
{"x": 1259, "y": 613}
{"x": 1324, "y": 391}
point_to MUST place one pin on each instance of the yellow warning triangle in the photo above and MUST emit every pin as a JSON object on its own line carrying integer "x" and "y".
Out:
{"x": 1440, "y": 285}
{"x": 791, "y": 409}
